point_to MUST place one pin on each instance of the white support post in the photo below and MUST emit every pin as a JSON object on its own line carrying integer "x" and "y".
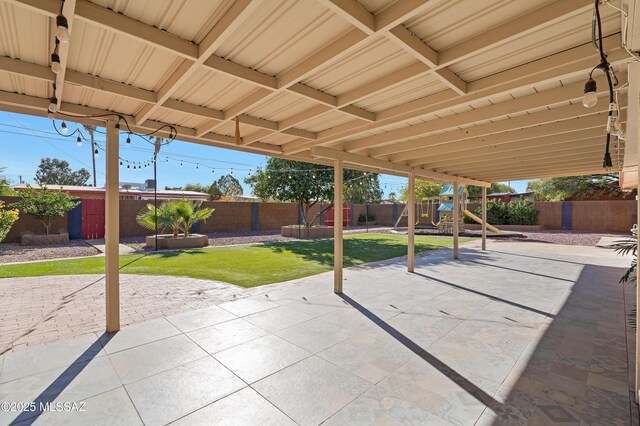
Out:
{"x": 411, "y": 219}
{"x": 338, "y": 187}
{"x": 633, "y": 134}
{"x": 484, "y": 218}
{"x": 112, "y": 230}
{"x": 456, "y": 219}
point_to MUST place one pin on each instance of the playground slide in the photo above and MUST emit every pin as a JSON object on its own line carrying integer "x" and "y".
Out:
{"x": 477, "y": 219}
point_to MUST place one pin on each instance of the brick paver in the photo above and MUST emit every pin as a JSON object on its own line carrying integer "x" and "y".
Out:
{"x": 39, "y": 310}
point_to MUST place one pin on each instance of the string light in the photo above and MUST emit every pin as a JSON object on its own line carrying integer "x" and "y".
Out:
{"x": 78, "y": 141}
{"x": 64, "y": 128}
{"x": 129, "y": 138}
{"x": 62, "y": 25}
{"x": 96, "y": 153}
{"x": 55, "y": 58}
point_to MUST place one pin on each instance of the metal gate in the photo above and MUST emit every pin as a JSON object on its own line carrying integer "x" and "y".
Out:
{"x": 92, "y": 219}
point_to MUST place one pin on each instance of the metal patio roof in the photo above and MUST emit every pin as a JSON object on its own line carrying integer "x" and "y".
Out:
{"x": 477, "y": 91}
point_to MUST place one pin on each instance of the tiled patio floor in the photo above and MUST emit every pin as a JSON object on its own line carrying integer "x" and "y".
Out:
{"x": 522, "y": 334}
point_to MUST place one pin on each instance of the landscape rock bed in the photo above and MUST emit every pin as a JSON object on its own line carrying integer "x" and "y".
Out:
{"x": 10, "y": 253}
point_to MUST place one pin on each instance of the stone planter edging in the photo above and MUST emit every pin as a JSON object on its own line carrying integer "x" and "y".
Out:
{"x": 516, "y": 228}
{"x": 295, "y": 231}
{"x": 30, "y": 239}
{"x": 168, "y": 242}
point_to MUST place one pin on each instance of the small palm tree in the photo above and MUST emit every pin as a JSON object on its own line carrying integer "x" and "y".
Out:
{"x": 168, "y": 217}
{"x": 191, "y": 213}
{"x": 625, "y": 247}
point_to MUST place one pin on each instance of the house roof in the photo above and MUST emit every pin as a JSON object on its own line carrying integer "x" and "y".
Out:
{"x": 90, "y": 189}
{"x": 477, "y": 91}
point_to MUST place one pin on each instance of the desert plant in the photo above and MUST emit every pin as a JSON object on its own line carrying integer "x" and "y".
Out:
{"x": 44, "y": 204}
{"x": 7, "y": 219}
{"x": 166, "y": 214}
{"x": 178, "y": 216}
{"x": 365, "y": 218}
{"x": 190, "y": 213}
{"x": 624, "y": 247}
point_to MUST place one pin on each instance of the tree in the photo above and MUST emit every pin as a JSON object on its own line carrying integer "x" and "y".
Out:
{"x": 363, "y": 190}
{"x": 393, "y": 197}
{"x": 306, "y": 184}
{"x": 44, "y": 204}
{"x": 5, "y": 185}
{"x": 495, "y": 188}
{"x": 7, "y": 218}
{"x": 229, "y": 186}
{"x": 424, "y": 189}
{"x": 586, "y": 187}
{"x": 53, "y": 171}
{"x": 213, "y": 190}
{"x": 303, "y": 183}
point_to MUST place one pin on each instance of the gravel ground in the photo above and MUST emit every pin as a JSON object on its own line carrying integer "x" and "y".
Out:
{"x": 234, "y": 238}
{"x": 17, "y": 253}
{"x": 562, "y": 237}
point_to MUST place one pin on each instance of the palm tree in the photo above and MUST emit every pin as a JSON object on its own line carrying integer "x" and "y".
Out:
{"x": 167, "y": 215}
{"x": 191, "y": 213}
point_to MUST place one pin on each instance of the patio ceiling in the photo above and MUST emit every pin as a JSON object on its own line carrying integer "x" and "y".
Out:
{"x": 453, "y": 90}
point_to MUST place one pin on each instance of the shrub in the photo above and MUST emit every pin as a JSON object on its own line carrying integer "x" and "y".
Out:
{"x": 515, "y": 213}
{"x": 365, "y": 218}
{"x": 7, "y": 219}
{"x": 178, "y": 216}
{"x": 521, "y": 213}
{"x": 44, "y": 204}
{"x": 496, "y": 212}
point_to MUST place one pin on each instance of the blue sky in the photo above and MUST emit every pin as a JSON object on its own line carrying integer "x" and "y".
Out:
{"x": 25, "y": 140}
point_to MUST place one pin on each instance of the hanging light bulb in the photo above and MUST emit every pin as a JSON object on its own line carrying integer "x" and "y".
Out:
{"x": 120, "y": 164}
{"x": 96, "y": 153}
{"x": 129, "y": 138}
{"x": 167, "y": 160}
{"x": 213, "y": 171}
{"x": 134, "y": 167}
{"x": 53, "y": 106}
{"x": 231, "y": 171}
{"x": 128, "y": 166}
{"x": 64, "y": 128}
{"x": 590, "y": 96}
{"x": 78, "y": 141}
{"x": 55, "y": 63}
{"x": 62, "y": 28}
{"x": 180, "y": 163}
{"x": 197, "y": 166}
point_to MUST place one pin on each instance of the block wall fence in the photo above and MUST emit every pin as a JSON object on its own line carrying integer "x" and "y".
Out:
{"x": 597, "y": 216}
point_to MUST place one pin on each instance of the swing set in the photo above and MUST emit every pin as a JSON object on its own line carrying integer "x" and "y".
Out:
{"x": 426, "y": 208}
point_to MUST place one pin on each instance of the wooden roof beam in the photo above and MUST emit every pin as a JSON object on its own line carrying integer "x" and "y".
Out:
{"x": 230, "y": 21}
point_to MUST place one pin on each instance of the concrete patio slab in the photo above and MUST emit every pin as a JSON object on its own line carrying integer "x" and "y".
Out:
{"x": 524, "y": 333}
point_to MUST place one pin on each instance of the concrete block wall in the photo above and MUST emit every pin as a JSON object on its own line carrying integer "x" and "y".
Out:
{"x": 26, "y": 223}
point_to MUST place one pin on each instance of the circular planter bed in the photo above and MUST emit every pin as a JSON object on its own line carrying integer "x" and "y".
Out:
{"x": 295, "y": 231}
{"x": 29, "y": 239}
{"x": 167, "y": 241}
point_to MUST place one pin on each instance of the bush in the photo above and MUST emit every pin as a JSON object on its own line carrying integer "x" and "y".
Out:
{"x": 7, "y": 219}
{"x": 514, "y": 213}
{"x": 44, "y": 204}
{"x": 521, "y": 213}
{"x": 178, "y": 216}
{"x": 365, "y": 218}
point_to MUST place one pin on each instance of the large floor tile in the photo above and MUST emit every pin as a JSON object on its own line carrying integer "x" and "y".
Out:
{"x": 368, "y": 357}
{"x": 260, "y": 357}
{"x": 278, "y": 318}
{"x": 43, "y": 358}
{"x": 250, "y": 305}
{"x": 113, "y": 408}
{"x": 143, "y": 361}
{"x": 138, "y": 334}
{"x": 200, "y": 318}
{"x": 77, "y": 382}
{"x": 380, "y": 407}
{"x": 312, "y": 390}
{"x": 172, "y": 394}
{"x": 243, "y": 408}
{"x": 226, "y": 335}
{"x": 314, "y": 335}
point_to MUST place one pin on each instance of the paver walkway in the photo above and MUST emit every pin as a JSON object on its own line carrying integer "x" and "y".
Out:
{"x": 521, "y": 334}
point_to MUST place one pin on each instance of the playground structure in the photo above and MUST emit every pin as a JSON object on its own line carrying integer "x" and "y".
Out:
{"x": 437, "y": 212}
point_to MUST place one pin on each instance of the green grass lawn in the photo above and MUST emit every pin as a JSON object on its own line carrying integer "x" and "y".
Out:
{"x": 246, "y": 266}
